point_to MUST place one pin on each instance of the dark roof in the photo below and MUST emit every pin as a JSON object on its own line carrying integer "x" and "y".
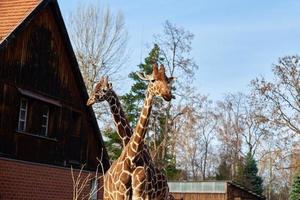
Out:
{"x": 245, "y": 189}
{"x": 15, "y": 15}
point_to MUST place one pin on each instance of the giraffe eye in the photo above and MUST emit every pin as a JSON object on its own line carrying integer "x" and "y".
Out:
{"x": 153, "y": 80}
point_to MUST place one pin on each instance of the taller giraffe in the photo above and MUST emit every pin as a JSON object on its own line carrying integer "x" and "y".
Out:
{"x": 158, "y": 86}
{"x": 103, "y": 92}
{"x": 128, "y": 169}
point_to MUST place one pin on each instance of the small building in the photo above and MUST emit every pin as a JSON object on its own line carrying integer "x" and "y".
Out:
{"x": 45, "y": 125}
{"x": 211, "y": 190}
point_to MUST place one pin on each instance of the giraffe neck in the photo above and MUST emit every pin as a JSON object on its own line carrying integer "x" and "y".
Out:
{"x": 136, "y": 142}
{"x": 124, "y": 130}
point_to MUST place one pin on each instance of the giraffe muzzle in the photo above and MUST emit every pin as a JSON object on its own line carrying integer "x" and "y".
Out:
{"x": 90, "y": 101}
{"x": 167, "y": 97}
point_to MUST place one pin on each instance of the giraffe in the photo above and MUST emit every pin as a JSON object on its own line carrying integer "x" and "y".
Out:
{"x": 145, "y": 174}
{"x": 103, "y": 91}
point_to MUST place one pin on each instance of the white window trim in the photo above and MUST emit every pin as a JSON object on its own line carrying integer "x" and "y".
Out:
{"x": 25, "y": 118}
{"x": 47, "y": 121}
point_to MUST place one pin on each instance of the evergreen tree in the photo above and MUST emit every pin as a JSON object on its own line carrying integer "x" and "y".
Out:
{"x": 113, "y": 143}
{"x": 250, "y": 177}
{"x": 295, "y": 190}
{"x": 240, "y": 170}
{"x": 133, "y": 102}
{"x": 223, "y": 172}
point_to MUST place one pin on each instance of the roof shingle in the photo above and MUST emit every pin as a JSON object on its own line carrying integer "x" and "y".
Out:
{"x": 12, "y": 13}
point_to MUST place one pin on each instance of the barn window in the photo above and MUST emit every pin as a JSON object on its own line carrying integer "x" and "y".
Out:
{"x": 23, "y": 114}
{"x": 45, "y": 120}
{"x": 42, "y": 114}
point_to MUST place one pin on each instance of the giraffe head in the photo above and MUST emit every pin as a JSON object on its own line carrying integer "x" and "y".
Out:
{"x": 101, "y": 92}
{"x": 159, "y": 83}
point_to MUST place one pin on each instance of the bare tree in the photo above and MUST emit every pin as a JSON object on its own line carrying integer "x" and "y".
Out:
{"x": 230, "y": 129}
{"x": 283, "y": 93}
{"x": 99, "y": 39}
{"x": 276, "y": 177}
{"x": 255, "y": 124}
{"x": 187, "y": 145}
{"x": 206, "y": 127}
{"x": 175, "y": 47}
{"x": 246, "y": 118}
{"x": 281, "y": 100}
{"x": 195, "y": 134}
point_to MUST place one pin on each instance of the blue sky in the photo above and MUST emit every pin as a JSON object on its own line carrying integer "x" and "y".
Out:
{"x": 235, "y": 40}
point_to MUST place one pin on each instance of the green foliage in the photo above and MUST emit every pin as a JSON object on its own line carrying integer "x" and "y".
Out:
{"x": 295, "y": 190}
{"x": 113, "y": 143}
{"x": 249, "y": 177}
{"x": 133, "y": 102}
{"x": 223, "y": 172}
{"x": 240, "y": 176}
{"x": 173, "y": 173}
{"x": 134, "y": 99}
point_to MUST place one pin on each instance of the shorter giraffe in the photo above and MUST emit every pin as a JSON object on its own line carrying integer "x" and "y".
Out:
{"x": 103, "y": 92}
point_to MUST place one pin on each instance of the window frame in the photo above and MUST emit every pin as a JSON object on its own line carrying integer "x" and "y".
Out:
{"x": 46, "y": 126}
{"x": 23, "y": 129}
{"x": 35, "y": 99}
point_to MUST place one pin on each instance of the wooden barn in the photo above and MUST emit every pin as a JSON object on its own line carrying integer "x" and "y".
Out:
{"x": 211, "y": 190}
{"x": 45, "y": 125}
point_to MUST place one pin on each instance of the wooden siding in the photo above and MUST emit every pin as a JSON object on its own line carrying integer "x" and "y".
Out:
{"x": 36, "y": 60}
{"x": 199, "y": 196}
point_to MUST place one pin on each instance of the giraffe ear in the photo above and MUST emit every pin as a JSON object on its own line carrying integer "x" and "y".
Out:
{"x": 144, "y": 76}
{"x": 98, "y": 84}
{"x": 105, "y": 79}
{"x": 171, "y": 79}
{"x": 162, "y": 69}
{"x": 102, "y": 79}
{"x": 110, "y": 86}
